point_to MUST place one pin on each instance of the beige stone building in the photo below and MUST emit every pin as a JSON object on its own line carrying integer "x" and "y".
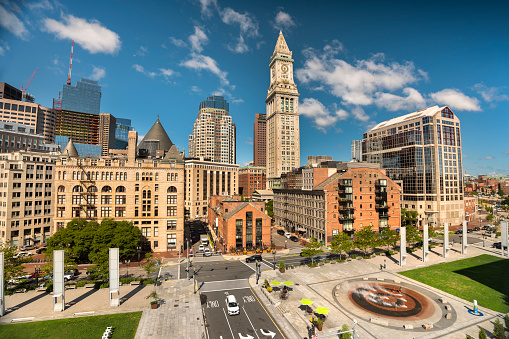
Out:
{"x": 147, "y": 191}
{"x": 205, "y": 179}
{"x": 282, "y": 107}
{"x": 26, "y": 197}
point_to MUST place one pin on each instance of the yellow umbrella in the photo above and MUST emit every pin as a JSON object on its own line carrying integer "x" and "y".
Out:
{"x": 306, "y": 302}
{"x": 288, "y": 283}
{"x": 322, "y": 310}
{"x": 275, "y": 282}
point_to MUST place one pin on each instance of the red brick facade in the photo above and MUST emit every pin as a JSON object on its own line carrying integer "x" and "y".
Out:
{"x": 226, "y": 213}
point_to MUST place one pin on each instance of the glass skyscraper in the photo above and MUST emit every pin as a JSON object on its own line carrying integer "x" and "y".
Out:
{"x": 84, "y": 98}
{"x": 122, "y": 132}
{"x": 84, "y": 150}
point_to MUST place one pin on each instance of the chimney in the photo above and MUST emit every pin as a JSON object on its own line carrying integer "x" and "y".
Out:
{"x": 132, "y": 147}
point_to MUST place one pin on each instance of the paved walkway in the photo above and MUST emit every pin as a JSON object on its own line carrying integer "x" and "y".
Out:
{"x": 179, "y": 316}
{"x": 319, "y": 283}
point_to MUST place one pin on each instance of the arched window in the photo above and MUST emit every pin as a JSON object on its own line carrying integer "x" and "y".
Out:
{"x": 93, "y": 189}
{"x": 106, "y": 189}
{"x": 172, "y": 189}
{"x": 77, "y": 188}
{"x": 61, "y": 189}
{"x": 125, "y": 175}
{"x": 137, "y": 176}
{"x": 120, "y": 189}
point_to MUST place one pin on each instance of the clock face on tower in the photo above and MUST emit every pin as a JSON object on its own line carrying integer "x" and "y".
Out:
{"x": 284, "y": 68}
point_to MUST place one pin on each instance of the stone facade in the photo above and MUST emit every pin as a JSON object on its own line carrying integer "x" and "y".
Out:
{"x": 26, "y": 197}
{"x": 282, "y": 105}
{"x": 239, "y": 224}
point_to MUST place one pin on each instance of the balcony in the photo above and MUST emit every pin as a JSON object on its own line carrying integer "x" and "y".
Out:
{"x": 383, "y": 215}
{"x": 381, "y": 206}
{"x": 346, "y": 217}
{"x": 345, "y": 209}
{"x": 343, "y": 200}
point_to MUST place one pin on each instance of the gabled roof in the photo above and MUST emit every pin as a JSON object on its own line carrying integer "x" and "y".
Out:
{"x": 70, "y": 150}
{"x": 430, "y": 111}
{"x": 157, "y": 133}
{"x": 329, "y": 180}
{"x": 235, "y": 210}
{"x": 281, "y": 46}
{"x": 173, "y": 153}
{"x": 229, "y": 199}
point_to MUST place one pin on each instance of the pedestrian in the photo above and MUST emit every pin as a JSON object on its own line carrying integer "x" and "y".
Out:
{"x": 385, "y": 264}
{"x": 381, "y": 267}
{"x": 399, "y": 290}
{"x": 452, "y": 243}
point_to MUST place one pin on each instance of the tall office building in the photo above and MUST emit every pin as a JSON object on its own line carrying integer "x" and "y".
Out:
{"x": 85, "y": 97}
{"x": 107, "y": 127}
{"x": 357, "y": 150}
{"x": 213, "y": 132}
{"x": 10, "y": 92}
{"x": 260, "y": 140}
{"x": 283, "y": 137}
{"x": 421, "y": 152}
{"x": 122, "y": 132}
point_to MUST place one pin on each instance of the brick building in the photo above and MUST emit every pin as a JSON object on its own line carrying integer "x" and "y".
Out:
{"x": 471, "y": 206}
{"x": 260, "y": 140}
{"x": 239, "y": 224}
{"x": 251, "y": 178}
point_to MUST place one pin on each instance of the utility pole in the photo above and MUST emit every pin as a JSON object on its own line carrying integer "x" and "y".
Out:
{"x": 187, "y": 269}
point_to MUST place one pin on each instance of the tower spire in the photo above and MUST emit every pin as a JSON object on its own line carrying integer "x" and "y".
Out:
{"x": 281, "y": 46}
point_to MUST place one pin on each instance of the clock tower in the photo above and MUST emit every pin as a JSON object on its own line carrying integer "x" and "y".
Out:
{"x": 282, "y": 103}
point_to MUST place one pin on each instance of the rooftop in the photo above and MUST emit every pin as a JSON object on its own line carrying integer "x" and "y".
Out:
{"x": 428, "y": 112}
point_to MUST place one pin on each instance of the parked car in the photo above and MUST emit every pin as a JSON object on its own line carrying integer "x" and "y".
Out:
{"x": 232, "y": 305}
{"x": 470, "y": 230}
{"x": 201, "y": 248}
{"x": 206, "y": 252}
{"x": 280, "y": 232}
{"x": 288, "y": 235}
{"x": 27, "y": 247}
{"x": 21, "y": 254}
{"x": 68, "y": 275}
{"x": 254, "y": 258}
{"x": 294, "y": 238}
{"x": 477, "y": 228}
{"x": 497, "y": 245}
{"x": 485, "y": 227}
{"x": 40, "y": 250}
{"x": 459, "y": 232}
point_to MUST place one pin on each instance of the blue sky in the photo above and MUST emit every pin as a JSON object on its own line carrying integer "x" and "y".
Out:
{"x": 357, "y": 63}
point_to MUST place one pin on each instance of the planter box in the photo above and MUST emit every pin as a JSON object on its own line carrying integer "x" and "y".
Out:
{"x": 153, "y": 306}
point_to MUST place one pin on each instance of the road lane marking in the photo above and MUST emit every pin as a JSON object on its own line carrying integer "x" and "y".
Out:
{"x": 268, "y": 334}
{"x": 228, "y": 323}
{"x": 248, "y": 266}
{"x": 250, "y": 322}
{"x": 227, "y": 289}
{"x": 270, "y": 317}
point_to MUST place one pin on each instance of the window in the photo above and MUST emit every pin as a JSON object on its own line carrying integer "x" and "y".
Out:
{"x": 172, "y": 240}
{"x": 105, "y": 211}
{"x": 120, "y": 189}
{"x": 146, "y": 231}
{"x": 172, "y": 189}
{"x": 171, "y": 225}
{"x": 119, "y": 211}
{"x": 171, "y": 200}
{"x": 106, "y": 189}
{"x": 106, "y": 199}
{"x": 120, "y": 199}
{"x": 171, "y": 211}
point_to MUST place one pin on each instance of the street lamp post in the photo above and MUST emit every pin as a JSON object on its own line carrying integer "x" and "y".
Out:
{"x": 274, "y": 262}
{"x": 194, "y": 279}
{"x": 127, "y": 264}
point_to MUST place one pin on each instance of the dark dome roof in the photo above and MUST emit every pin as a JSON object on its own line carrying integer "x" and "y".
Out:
{"x": 156, "y": 134}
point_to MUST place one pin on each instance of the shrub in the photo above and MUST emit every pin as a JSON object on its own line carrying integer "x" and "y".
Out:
{"x": 353, "y": 256}
{"x": 269, "y": 289}
{"x": 282, "y": 265}
{"x": 498, "y": 329}
{"x": 506, "y": 321}
{"x": 482, "y": 334}
{"x": 147, "y": 281}
{"x": 319, "y": 321}
{"x": 345, "y": 335}
{"x": 498, "y": 234}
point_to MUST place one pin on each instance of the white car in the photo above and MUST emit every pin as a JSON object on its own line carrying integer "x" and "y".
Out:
{"x": 287, "y": 235}
{"x": 206, "y": 252}
{"x": 232, "y": 305}
{"x": 201, "y": 248}
{"x": 68, "y": 275}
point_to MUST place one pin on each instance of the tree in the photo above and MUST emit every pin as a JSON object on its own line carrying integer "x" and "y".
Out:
{"x": 312, "y": 248}
{"x": 489, "y": 217}
{"x": 506, "y": 321}
{"x": 498, "y": 329}
{"x": 365, "y": 238}
{"x": 269, "y": 207}
{"x": 482, "y": 334}
{"x": 408, "y": 217}
{"x": 150, "y": 264}
{"x": 348, "y": 335}
{"x": 341, "y": 242}
{"x": 388, "y": 237}
{"x": 13, "y": 266}
{"x": 501, "y": 193}
{"x": 412, "y": 234}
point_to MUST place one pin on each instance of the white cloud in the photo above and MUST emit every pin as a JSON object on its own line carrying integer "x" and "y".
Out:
{"x": 456, "y": 100}
{"x": 238, "y": 101}
{"x": 240, "y": 46}
{"x": 141, "y": 69}
{"x": 283, "y": 21}
{"x": 42, "y": 5}
{"x": 489, "y": 158}
{"x": 391, "y": 102}
{"x": 91, "y": 35}
{"x": 10, "y": 22}
{"x": 200, "y": 62}
{"x": 98, "y": 73}
{"x": 196, "y": 89}
{"x": 3, "y": 47}
{"x": 321, "y": 116}
{"x": 490, "y": 94}
{"x": 206, "y": 5}
{"x": 178, "y": 42}
{"x": 198, "y": 39}
{"x": 357, "y": 83}
{"x": 247, "y": 24}
{"x": 141, "y": 51}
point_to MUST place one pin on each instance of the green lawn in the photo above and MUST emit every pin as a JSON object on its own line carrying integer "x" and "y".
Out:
{"x": 484, "y": 278}
{"x": 124, "y": 326}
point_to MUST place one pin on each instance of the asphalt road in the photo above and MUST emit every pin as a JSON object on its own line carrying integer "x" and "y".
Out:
{"x": 252, "y": 322}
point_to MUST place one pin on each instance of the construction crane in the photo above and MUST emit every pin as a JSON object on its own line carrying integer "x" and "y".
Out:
{"x": 70, "y": 65}
{"x": 29, "y": 81}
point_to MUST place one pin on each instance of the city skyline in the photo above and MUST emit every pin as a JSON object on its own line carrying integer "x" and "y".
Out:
{"x": 354, "y": 67}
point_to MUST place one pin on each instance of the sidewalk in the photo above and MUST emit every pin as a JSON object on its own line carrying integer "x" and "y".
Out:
{"x": 179, "y": 316}
{"x": 319, "y": 284}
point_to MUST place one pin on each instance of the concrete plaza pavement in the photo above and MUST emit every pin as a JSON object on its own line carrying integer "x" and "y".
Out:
{"x": 318, "y": 284}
